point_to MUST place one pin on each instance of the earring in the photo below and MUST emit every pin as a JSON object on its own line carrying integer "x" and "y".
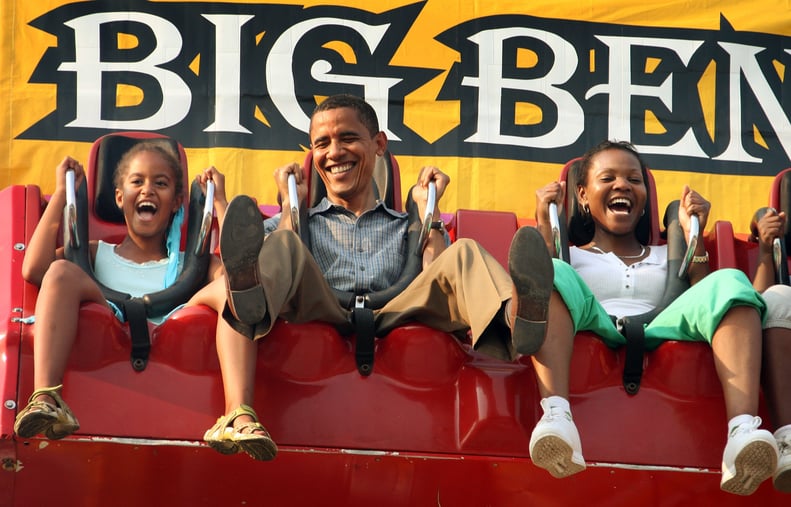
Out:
{"x": 586, "y": 209}
{"x": 643, "y": 212}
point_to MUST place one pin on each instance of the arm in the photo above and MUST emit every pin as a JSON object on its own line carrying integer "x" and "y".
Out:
{"x": 553, "y": 192}
{"x": 692, "y": 203}
{"x": 770, "y": 226}
{"x": 42, "y": 249}
{"x": 436, "y": 239}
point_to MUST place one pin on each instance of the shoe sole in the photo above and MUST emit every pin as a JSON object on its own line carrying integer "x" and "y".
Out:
{"x": 532, "y": 273}
{"x": 261, "y": 449}
{"x": 34, "y": 424}
{"x": 240, "y": 243}
{"x": 556, "y": 456}
{"x": 754, "y": 464}
{"x": 61, "y": 430}
{"x": 224, "y": 447}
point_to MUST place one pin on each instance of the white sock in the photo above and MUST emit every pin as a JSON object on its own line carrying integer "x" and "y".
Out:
{"x": 783, "y": 432}
{"x": 557, "y": 401}
{"x": 738, "y": 421}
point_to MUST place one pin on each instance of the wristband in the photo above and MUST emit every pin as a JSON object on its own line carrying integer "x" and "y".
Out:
{"x": 701, "y": 259}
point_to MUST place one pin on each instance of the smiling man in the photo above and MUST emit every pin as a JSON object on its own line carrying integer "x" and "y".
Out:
{"x": 360, "y": 245}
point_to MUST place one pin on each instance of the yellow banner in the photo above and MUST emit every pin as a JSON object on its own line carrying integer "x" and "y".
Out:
{"x": 499, "y": 94}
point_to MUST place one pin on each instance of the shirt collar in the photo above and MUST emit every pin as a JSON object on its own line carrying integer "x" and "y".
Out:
{"x": 325, "y": 206}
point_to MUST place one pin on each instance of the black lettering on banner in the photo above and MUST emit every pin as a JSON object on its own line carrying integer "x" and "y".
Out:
{"x": 247, "y": 75}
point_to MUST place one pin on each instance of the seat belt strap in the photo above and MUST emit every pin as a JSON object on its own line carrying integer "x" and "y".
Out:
{"x": 363, "y": 320}
{"x": 135, "y": 311}
{"x": 634, "y": 332}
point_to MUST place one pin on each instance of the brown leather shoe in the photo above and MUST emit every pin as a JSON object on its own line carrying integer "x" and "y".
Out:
{"x": 240, "y": 242}
{"x": 532, "y": 273}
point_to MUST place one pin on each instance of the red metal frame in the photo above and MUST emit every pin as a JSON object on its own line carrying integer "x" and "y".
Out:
{"x": 435, "y": 424}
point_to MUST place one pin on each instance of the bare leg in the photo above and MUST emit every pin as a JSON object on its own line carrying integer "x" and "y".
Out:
{"x": 552, "y": 362}
{"x": 555, "y": 443}
{"x": 237, "y": 356}
{"x": 750, "y": 454}
{"x": 236, "y": 353}
{"x": 737, "y": 357}
{"x": 777, "y": 374}
{"x": 64, "y": 288}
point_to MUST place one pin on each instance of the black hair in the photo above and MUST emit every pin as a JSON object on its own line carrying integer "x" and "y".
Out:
{"x": 581, "y": 228}
{"x": 170, "y": 159}
{"x": 365, "y": 113}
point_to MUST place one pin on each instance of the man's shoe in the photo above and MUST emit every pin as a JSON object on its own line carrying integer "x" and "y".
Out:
{"x": 555, "y": 443}
{"x": 750, "y": 457}
{"x": 240, "y": 243}
{"x": 782, "y": 475}
{"x": 530, "y": 266}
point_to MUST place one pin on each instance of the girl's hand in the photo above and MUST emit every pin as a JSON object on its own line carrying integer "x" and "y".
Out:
{"x": 770, "y": 226}
{"x": 218, "y": 178}
{"x": 692, "y": 203}
{"x": 552, "y": 192}
{"x": 65, "y": 165}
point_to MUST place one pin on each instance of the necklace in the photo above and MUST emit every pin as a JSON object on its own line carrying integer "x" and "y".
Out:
{"x": 642, "y": 252}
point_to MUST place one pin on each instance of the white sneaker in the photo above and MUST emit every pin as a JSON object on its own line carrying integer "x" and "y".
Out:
{"x": 750, "y": 457}
{"x": 555, "y": 443}
{"x": 782, "y": 477}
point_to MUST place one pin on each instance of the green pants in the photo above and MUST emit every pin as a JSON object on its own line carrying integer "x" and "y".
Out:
{"x": 693, "y": 316}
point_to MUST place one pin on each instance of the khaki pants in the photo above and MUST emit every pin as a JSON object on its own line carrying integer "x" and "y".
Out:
{"x": 463, "y": 289}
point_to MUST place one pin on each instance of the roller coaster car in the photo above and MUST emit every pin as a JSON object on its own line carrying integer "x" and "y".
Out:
{"x": 435, "y": 423}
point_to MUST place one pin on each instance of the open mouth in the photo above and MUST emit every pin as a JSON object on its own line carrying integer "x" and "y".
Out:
{"x": 620, "y": 205}
{"x": 146, "y": 210}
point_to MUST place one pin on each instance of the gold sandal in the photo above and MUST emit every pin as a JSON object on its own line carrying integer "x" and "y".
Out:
{"x": 224, "y": 438}
{"x": 55, "y": 421}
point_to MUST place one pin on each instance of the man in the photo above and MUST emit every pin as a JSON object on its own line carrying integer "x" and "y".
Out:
{"x": 359, "y": 245}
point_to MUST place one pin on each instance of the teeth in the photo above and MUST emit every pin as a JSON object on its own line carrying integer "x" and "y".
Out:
{"x": 621, "y": 200}
{"x": 147, "y": 206}
{"x": 338, "y": 169}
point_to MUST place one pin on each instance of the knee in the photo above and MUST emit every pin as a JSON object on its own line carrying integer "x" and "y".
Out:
{"x": 731, "y": 275}
{"x": 62, "y": 274}
{"x": 212, "y": 295}
{"x": 742, "y": 315}
{"x": 465, "y": 245}
{"x": 284, "y": 237}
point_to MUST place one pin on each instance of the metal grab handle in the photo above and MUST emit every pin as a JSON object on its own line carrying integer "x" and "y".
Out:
{"x": 692, "y": 243}
{"x": 425, "y": 229}
{"x": 208, "y": 212}
{"x": 293, "y": 200}
{"x": 70, "y": 211}
{"x": 778, "y": 257}
{"x": 554, "y": 222}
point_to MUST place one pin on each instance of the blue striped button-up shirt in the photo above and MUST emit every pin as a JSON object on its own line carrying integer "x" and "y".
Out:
{"x": 356, "y": 254}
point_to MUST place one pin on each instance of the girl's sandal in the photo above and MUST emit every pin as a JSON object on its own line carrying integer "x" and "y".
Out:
{"x": 39, "y": 416}
{"x": 224, "y": 438}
